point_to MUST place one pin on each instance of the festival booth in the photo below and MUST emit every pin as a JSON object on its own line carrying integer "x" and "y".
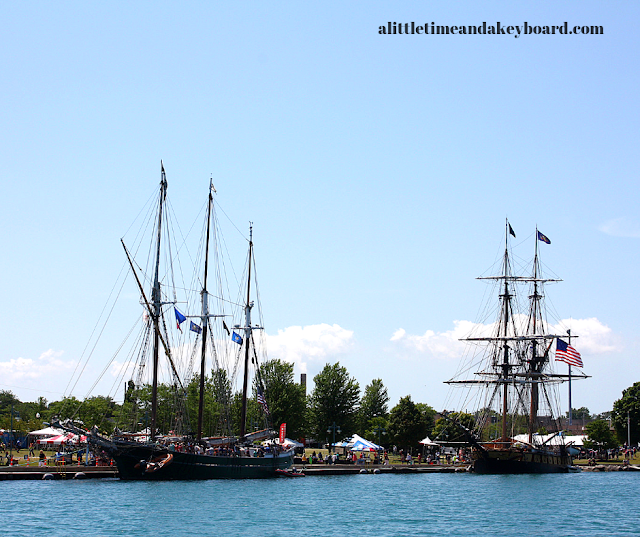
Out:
{"x": 355, "y": 443}
{"x": 428, "y": 445}
{"x": 62, "y": 439}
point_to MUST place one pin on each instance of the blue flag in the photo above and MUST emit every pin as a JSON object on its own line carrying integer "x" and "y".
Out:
{"x": 195, "y": 328}
{"x": 235, "y": 337}
{"x": 179, "y": 318}
{"x": 543, "y": 238}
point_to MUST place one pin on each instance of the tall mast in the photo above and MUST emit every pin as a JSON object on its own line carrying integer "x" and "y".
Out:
{"x": 157, "y": 306}
{"x": 535, "y": 363}
{"x": 505, "y": 353}
{"x": 247, "y": 336}
{"x": 205, "y": 317}
{"x": 506, "y": 305}
{"x": 569, "y": 366}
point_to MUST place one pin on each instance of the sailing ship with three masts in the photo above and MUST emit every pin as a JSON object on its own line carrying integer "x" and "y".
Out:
{"x": 517, "y": 427}
{"x": 184, "y": 453}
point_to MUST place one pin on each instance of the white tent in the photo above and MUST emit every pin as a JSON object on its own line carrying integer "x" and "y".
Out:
{"x": 357, "y": 443}
{"x": 65, "y": 438}
{"x": 428, "y": 442}
{"x": 47, "y": 432}
{"x": 552, "y": 439}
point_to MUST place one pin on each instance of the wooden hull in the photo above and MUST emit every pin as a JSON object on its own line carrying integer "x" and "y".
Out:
{"x": 518, "y": 461}
{"x": 191, "y": 466}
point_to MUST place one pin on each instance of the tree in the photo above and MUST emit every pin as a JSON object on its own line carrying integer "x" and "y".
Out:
{"x": 428, "y": 415}
{"x": 373, "y": 405}
{"x": 453, "y": 428}
{"x": 98, "y": 411}
{"x": 628, "y": 406}
{"x": 600, "y": 436}
{"x": 334, "y": 400}
{"x": 285, "y": 398}
{"x": 581, "y": 413}
{"x": 406, "y": 426}
{"x": 378, "y": 431}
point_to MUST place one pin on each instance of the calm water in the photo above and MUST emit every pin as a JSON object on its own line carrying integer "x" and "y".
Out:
{"x": 585, "y": 504}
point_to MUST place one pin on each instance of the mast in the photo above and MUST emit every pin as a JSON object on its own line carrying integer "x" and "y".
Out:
{"x": 506, "y": 304}
{"x": 247, "y": 336}
{"x": 534, "y": 365}
{"x": 157, "y": 305}
{"x": 569, "y": 366}
{"x": 205, "y": 317}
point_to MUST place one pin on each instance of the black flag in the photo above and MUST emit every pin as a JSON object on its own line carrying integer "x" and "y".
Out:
{"x": 511, "y": 230}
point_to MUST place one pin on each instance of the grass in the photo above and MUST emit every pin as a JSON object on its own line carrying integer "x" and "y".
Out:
{"x": 618, "y": 460}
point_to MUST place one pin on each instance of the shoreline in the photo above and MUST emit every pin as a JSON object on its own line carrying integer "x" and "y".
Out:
{"x": 110, "y": 472}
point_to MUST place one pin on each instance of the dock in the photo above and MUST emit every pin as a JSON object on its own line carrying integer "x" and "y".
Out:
{"x": 349, "y": 469}
{"x": 70, "y": 471}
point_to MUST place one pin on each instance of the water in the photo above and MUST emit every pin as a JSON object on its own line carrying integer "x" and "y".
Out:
{"x": 584, "y": 504}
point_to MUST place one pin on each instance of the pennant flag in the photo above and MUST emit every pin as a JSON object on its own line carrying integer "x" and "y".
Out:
{"x": 261, "y": 399}
{"x": 224, "y": 325}
{"x": 543, "y": 238}
{"x": 238, "y": 339}
{"x": 566, "y": 353}
{"x": 511, "y": 230}
{"x": 179, "y": 318}
{"x": 195, "y": 328}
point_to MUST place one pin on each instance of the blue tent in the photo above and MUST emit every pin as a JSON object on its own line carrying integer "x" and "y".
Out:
{"x": 357, "y": 443}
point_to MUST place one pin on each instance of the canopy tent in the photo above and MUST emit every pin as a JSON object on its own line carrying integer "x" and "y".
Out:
{"x": 428, "y": 442}
{"x": 552, "y": 439}
{"x": 65, "y": 438}
{"x": 357, "y": 443}
{"x": 47, "y": 431}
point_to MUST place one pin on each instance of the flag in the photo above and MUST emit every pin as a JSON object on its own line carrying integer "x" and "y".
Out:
{"x": 566, "y": 353}
{"x": 224, "y": 325}
{"x": 511, "y": 230}
{"x": 261, "y": 399}
{"x": 543, "y": 238}
{"x": 238, "y": 339}
{"x": 195, "y": 328}
{"x": 179, "y": 318}
{"x": 283, "y": 433}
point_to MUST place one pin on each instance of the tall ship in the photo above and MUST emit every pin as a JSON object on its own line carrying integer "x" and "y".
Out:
{"x": 184, "y": 356}
{"x": 514, "y": 425}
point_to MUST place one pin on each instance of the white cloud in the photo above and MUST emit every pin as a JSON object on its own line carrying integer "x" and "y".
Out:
{"x": 45, "y": 365}
{"x": 621, "y": 227}
{"x": 438, "y": 344}
{"x": 594, "y": 337}
{"x": 302, "y": 344}
{"x": 124, "y": 369}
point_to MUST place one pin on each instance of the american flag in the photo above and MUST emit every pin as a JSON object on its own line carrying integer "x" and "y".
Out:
{"x": 566, "y": 353}
{"x": 262, "y": 401}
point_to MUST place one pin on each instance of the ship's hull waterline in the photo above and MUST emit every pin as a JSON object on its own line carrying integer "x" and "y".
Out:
{"x": 192, "y": 466}
{"x": 514, "y": 461}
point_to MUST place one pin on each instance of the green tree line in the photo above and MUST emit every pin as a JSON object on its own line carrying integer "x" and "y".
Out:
{"x": 335, "y": 406}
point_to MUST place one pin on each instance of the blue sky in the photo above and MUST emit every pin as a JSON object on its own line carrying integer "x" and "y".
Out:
{"x": 378, "y": 171}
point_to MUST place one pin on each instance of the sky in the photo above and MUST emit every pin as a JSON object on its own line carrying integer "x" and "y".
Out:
{"x": 378, "y": 171}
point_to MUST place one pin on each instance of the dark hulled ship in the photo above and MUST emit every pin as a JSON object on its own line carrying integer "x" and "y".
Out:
{"x": 515, "y": 385}
{"x": 183, "y": 452}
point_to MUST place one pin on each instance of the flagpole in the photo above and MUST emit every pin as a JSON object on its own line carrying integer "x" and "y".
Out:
{"x": 569, "y": 365}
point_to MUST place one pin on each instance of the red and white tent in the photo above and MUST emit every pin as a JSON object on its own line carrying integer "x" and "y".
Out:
{"x": 66, "y": 438}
